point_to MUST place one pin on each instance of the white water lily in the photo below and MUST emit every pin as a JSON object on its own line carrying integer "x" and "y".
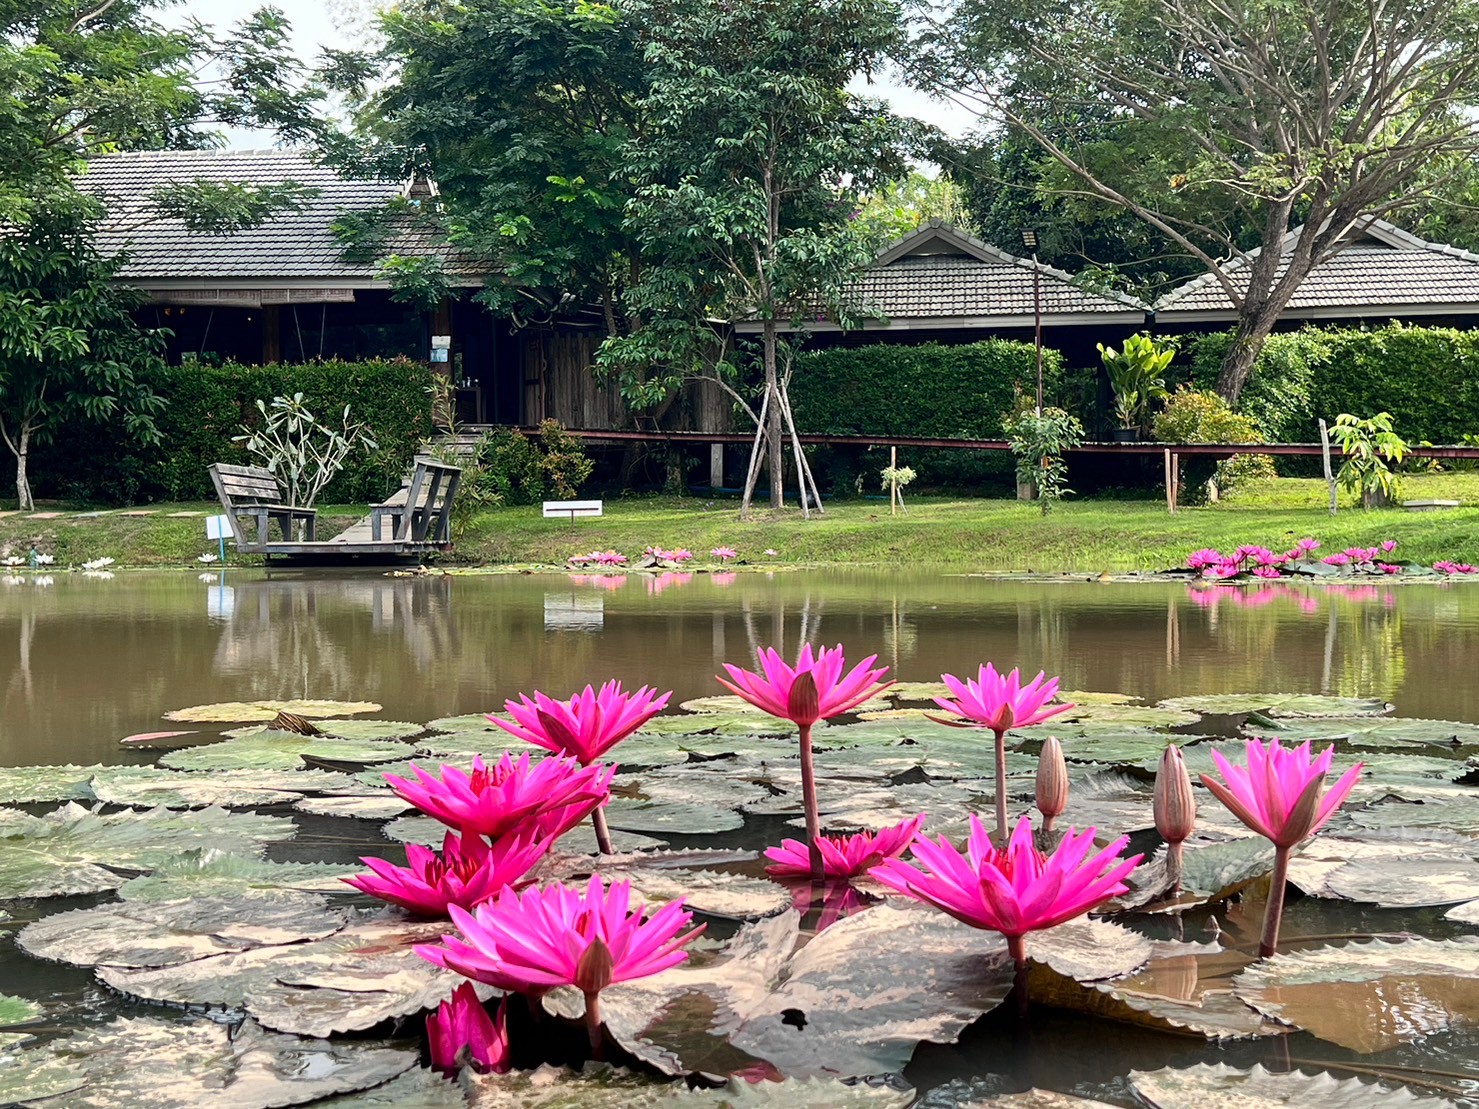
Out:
{"x": 207, "y": 558}
{"x": 12, "y": 560}
{"x": 45, "y": 560}
{"x": 98, "y": 564}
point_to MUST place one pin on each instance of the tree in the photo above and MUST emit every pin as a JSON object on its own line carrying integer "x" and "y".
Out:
{"x": 750, "y": 168}
{"x": 81, "y": 81}
{"x": 898, "y": 207}
{"x": 1302, "y": 117}
{"x": 520, "y": 110}
{"x": 68, "y": 343}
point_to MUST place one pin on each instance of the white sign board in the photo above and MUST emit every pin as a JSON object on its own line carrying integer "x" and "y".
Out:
{"x": 441, "y": 342}
{"x": 218, "y": 527}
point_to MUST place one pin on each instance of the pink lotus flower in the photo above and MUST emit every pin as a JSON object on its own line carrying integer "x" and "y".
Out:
{"x": 587, "y": 725}
{"x": 1445, "y": 566}
{"x": 771, "y": 552}
{"x": 611, "y": 558}
{"x": 723, "y": 554}
{"x": 580, "y": 559}
{"x": 462, "y": 1023}
{"x": 1198, "y": 560}
{"x": 533, "y": 941}
{"x": 682, "y": 554}
{"x": 1388, "y": 568}
{"x": 815, "y": 689}
{"x": 1388, "y": 545}
{"x": 1336, "y": 560}
{"x": 466, "y": 873}
{"x": 1266, "y": 557}
{"x": 1000, "y": 703}
{"x": 1307, "y": 545}
{"x": 843, "y": 856}
{"x": 1278, "y": 795}
{"x": 546, "y": 799}
{"x": 1222, "y": 570}
{"x": 1013, "y": 890}
{"x": 1266, "y": 572}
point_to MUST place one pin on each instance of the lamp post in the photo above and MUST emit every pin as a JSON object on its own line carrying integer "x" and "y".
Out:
{"x": 1029, "y": 240}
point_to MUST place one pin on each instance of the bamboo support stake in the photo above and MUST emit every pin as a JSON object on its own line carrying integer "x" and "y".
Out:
{"x": 754, "y": 469}
{"x": 1170, "y": 484}
{"x": 1325, "y": 458}
{"x": 893, "y": 481}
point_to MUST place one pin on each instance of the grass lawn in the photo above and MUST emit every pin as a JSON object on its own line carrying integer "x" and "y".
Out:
{"x": 1086, "y": 535}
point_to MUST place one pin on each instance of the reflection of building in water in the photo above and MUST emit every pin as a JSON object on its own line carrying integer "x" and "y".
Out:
{"x": 574, "y": 611}
{"x": 294, "y": 629}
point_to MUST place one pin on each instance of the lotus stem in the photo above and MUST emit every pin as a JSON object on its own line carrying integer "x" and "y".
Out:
{"x": 603, "y": 833}
{"x": 1001, "y": 784}
{"x": 809, "y": 800}
{"x": 1017, "y": 947}
{"x": 1173, "y": 868}
{"x": 593, "y": 1024}
{"x": 1273, "y": 916}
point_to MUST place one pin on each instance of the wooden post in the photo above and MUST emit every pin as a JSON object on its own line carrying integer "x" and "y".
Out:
{"x": 1175, "y": 479}
{"x": 893, "y": 482}
{"x": 716, "y": 466}
{"x": 1170, "y": 484}
{"x": 1325, "y": 458}
{"x": 271, "y": 334}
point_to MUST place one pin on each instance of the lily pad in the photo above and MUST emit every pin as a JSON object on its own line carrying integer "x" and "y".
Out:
{"x": 369, "y": 729}
{"x": 1399, "y": 873}
{"x": 602, "y": 1087}
{"x": 1131, "y": 716}
{"x": 1459, "y": 814}
{"x": 165, "y": 933}
{"x": 350, "y": 981}
{"x": 466, "y": 744}
{"x": 731, "y": 723}
{"x": 285, "y": 751}
{"x": 226, "y": 712}
{"x": 215, "y": 873}
{"x": 1371, "y": 996}
{"x": 358, "y": 808}
{"x": 74, "y": 850}
{"x": 418, "y": 1088}
{"x": 725, "y": 703}
{"x": 1279, "y": 705}
{"x": 918, "y": 691}
{"x": 672, "y": 818}
{"x": 169, "y": 1065}
{"x": 736, "y": 896}
{"x": 467, "y": 722}
{"x": 1219, "y": 1086}
{"x": 147, "y": 787}
{"x": 1369, "y": 731}
{"x": 1464, "y": 914}
{"x": 17, "y": 1010}
{"x": 25, "y": 785}
{"x": 580, "y": 839}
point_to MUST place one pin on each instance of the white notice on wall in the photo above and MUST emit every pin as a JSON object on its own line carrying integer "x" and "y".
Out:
{"x": 218, "y": 527}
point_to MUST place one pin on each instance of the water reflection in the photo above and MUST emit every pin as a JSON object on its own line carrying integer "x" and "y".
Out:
{"x": 87, "y": 664}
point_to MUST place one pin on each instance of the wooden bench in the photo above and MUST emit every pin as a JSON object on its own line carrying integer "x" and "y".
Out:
{"x": 422, "y": 510}
{"x": 253, "y": 493}
{"x": 553, "y": 509}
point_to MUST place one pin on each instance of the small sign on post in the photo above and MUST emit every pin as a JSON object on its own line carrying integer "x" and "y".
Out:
{"x": 217, "y": 528}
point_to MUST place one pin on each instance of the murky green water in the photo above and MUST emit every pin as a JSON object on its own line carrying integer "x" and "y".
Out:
{"x": 88, "y": 661}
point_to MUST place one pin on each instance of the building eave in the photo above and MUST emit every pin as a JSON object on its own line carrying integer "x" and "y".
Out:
{"x": 1014, "y": 321}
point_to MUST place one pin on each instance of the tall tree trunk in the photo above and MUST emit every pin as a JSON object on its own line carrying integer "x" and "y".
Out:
{"x": 774, "y": 463}
{"x": 1255, "y": 324}
{"x": 22, "y": 484}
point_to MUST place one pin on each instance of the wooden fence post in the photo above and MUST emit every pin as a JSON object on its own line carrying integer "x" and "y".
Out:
{"x": 1170, "y": 483}
{"x": 1325, "y": 457}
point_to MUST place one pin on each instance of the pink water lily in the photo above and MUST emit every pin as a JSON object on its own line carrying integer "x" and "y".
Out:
{"x": 467, "y": 872}
{"x": 1000, "y": 703}
{"x": 724, "y": 554}
{"x": 1280, "y": 795}
{"x": 1388, "y": 546}
{"x": 462, "y": 1024}
{"x": 843, "y": 856}
{"x": 1307, "y": 545}
{"x": 1266, "y": 572}
{"x": 584, "y": 727}
{"x": 1013, "y": 890}
{"x": 814, "y": 689}
{"x": 545, "y": 799}
{"x": 682, "y": 554}
{"x": 533, "y": 941}
{"x": 1199, "y": 560}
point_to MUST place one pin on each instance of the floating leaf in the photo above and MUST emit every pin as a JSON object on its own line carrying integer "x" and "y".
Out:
{"x": 152, "y": 739}
{"x": 360, "y": 808}
{"x": 1402, "y": 873}
{"x": 1368, "y": 731}
{"x": 719, "y": 703}
{"x": 690, "y": 785}
{"x": 1369, "y": 996}
{"x": 468, "y": 722}
{"x": 215, "y": 873}
{"x": 1464, "y": 914}
{"x": 284, "y": 751}
{"x": 731, "y": 723}
{"x": 673, "y": 818}
{"x": 418, "y": 1088}
{"x": 232, "y": 711}
{"x": 1133, "y": 716}
{"x": 164, "y": 933}
{"x": 737, "y": 896}
{"x": 918, "y": 691}
{"x": 350, "y": 981}
{"x": 171, "y": 1065}
{"x": 1457, "y": 814}
{"x": 25, "y": 785}
{"x": 369, "y": 729}
{"x": 1219, "y": 1086}
{"x": 65, "y": 851}
{"x": 146, "y": 786}
{"x": 17, "y": 1010}
{"x": 580, "y": 839}
{"x": 602, "y": 1087}
{"x": 466, "y": 744}
{"x": 33, "y": 1075}
{"x": 1279, "y": 705}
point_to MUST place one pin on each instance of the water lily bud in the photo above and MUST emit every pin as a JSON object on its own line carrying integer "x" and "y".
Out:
{"x": 1174, "y": 804}
{"x": 593, "y": 971}
{"x": 1052, "y": 780}
{"x": 1003, "y": 719}
{"x": 804, "y": 704}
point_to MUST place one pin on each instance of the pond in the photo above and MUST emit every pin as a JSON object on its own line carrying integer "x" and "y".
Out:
{"x": 91, "y": 660}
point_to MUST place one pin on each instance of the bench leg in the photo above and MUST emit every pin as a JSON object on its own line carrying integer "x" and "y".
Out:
{"x": 375, "y": 526}
{"x": 310, "y": 528}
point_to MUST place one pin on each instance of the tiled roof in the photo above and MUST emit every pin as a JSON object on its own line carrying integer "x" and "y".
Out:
{"x": 938, "y": 272}
{"x": 1381, "y": 267}
{"x": 292, "y": 245}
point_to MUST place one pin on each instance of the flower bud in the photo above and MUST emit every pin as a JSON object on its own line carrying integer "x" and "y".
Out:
{"x": 1052, "y": 779}
{"x": 1003, "y": 720}
{"x": 593, "y": 971}
{"x": 804, "y": 704}
{"x": 1174, "y": 804}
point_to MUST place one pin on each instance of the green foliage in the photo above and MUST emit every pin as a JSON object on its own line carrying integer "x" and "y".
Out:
{"x": 928, "y": 390}
{"x": 523, "y": 470}
{"x": 1039, "y": 441}
{"x": 206, "y": 406}
{"x": 898, "y": 207}
{"x": 1137, "y": 375}
{"x": 1368, "y": 446}
{"x": 1192, "y": 416}
{"x": 305, "y": 452}
{"x": 1426, "y": 377}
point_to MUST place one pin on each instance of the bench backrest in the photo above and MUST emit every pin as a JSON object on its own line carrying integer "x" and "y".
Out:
{"x": 571, "y": 509}
{"x": 429, "y": 498}
{"x": 245, "y": 485}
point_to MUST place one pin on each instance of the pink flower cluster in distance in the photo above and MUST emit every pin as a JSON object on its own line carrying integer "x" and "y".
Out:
{"x": 1261, "y": 562}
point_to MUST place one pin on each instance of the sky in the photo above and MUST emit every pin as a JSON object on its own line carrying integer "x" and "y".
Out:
{"x": 344, "y": 23}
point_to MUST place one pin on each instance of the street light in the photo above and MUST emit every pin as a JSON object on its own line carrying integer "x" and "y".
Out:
{"x": 1029, "y": 240}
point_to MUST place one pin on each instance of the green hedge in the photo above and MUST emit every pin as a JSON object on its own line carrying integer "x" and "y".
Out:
{"x": 929, "y": 390}
{"x": 1426, "y": 377}
{"x": 206, "y": 406}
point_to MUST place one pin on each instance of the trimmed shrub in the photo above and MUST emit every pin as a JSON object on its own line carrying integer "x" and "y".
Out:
{"x": 207, "y": 405}
{"x": 1193, "y": 416}
{"x": 928, "y": 390}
